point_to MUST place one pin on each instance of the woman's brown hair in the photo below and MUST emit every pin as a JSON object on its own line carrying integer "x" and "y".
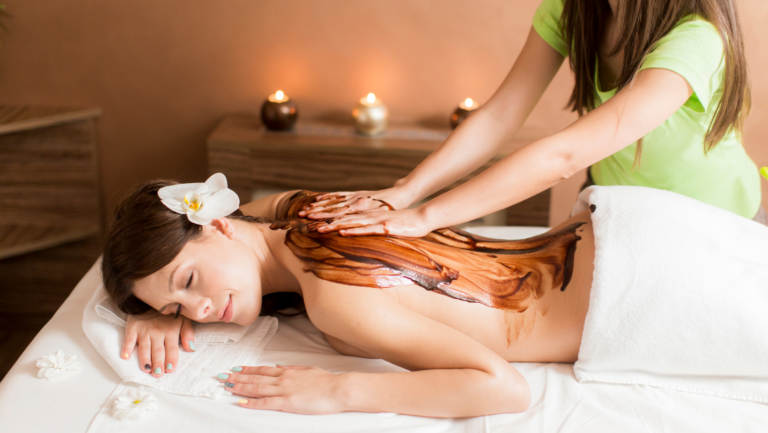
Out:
{"x": 145, "y": 236}
{"x": 642, "y": 24}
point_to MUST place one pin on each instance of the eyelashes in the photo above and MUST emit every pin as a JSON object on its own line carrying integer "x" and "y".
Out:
{"x": 189, "y": 283}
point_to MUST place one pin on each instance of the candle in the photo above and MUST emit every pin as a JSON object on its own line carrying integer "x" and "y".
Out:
{"x": 371, "y": 115}
{"x": 463, "y": 111}
{"x": 279, "y": 112}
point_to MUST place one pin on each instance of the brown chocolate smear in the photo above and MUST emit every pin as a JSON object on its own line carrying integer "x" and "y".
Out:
{"x": 508, "y": 275}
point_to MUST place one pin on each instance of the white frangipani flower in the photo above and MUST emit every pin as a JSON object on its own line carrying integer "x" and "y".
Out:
{"x": 134, "y": 404}
{"x": 57, "y": 365}
{"x": 201, "y": 202}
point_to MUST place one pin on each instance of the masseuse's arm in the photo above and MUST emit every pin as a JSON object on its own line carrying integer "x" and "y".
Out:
{"x": 632, "y": 113}
{"x": 451, "y": 374}
{"x": 476, "y": 140}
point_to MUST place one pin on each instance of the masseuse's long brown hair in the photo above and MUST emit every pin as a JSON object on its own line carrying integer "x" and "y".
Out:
{"x": 643, "y": 23}
{"x": 145, "y": 236}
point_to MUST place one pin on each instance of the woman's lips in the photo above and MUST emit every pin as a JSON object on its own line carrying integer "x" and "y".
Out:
{"x": 228, "y": 311}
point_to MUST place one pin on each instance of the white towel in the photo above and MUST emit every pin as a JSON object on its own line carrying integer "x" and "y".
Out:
{"x": 219, "y": 347}
{"x": 679, "y": 298}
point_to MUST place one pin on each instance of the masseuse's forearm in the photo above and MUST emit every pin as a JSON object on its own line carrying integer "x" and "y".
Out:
{"x": 479, "y": 137}
{"x": 475, "y": 141}
{"x": 435, "y": 393}
{"x": 622, "y": 120}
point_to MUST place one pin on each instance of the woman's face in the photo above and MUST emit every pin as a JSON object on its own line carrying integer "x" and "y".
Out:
{"x": 212, "y": 279}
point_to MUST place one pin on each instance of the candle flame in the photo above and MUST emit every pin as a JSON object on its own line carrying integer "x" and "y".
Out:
{"x": 279, "y": 95}
{"x": 371, "y": 98}
{"x": 469, "y": 102}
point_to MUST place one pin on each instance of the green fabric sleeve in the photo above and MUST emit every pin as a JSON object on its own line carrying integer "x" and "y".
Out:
{"x": 546, "y": 22}
{"x": 693, "y": 50}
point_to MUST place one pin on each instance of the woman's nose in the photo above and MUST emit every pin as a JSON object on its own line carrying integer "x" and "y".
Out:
{"x": 201, "y": 310}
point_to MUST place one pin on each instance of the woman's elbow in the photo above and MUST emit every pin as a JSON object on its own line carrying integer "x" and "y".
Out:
{"x": 512, "y": 391}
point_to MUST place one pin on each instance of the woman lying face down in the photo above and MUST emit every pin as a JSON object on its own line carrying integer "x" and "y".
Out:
{"x": 452, "y": 308}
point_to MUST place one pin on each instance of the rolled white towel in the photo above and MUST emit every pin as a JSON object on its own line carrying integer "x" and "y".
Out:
{"x": 679, "y": 296}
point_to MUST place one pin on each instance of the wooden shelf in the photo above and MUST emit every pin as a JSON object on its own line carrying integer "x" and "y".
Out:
{"x": 332, "y": 157}
{"x": 48, "y": 177}
{"x": 17, "y": 239}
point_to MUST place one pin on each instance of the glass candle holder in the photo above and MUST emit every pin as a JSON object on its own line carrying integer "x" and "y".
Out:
{"x": 463, "y": 111}
{"x": 279, "y": 112}
{"x": 371, "y": 115}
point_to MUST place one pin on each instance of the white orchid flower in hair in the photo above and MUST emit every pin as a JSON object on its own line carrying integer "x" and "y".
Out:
{"x": 201, "y": 202}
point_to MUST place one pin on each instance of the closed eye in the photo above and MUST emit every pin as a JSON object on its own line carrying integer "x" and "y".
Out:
{"x": 178, "y": 310}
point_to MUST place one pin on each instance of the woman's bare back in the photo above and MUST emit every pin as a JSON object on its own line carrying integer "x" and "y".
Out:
{"x": 529, "y": 319}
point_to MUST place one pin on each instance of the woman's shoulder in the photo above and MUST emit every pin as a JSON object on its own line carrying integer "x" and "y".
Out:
{"x": 267, "y": 206}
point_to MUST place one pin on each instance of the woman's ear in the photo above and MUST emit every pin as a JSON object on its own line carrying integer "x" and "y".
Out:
{"x": 224, "y": 226}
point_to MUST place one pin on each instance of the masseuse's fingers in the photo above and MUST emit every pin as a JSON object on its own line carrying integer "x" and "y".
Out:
{"x": 171, "y": 354}
{"x": 158, "y": 357}
{"x": 187, "y": 335}
{"x": 145, "y": 354}
{"x": 331, "y": 195}
{"x": 128, "y": 344}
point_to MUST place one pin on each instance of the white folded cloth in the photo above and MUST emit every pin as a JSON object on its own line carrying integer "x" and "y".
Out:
{"x": 679, "y": 296}
{"x": 219, "y": 347}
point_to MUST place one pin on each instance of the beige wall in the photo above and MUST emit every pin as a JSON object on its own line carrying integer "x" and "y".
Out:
{"x": 165, "y": 72}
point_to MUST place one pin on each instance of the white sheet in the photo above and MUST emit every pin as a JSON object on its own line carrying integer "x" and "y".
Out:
{"x": 560, "y": 403}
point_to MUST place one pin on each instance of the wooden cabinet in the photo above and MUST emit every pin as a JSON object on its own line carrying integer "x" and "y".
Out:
{"x": 327, "y": 157}
{"x": 49, "y": 188}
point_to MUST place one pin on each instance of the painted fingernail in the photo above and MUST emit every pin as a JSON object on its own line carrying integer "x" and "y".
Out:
{"x": 158, "y": 370}
{"x": 191, "y": 345}
{"x": 229, "y": 384}
{"x": 222, "y": 376}
{"x": 169, "y": 366}
{"x": 125, "y": 355}
{"x": 147, "y": 366}
{"x": 243, "y": 401}
{"x": 237, "y": 368}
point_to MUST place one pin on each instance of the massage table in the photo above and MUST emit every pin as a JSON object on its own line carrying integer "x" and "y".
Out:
{"x": 80, "y": 402}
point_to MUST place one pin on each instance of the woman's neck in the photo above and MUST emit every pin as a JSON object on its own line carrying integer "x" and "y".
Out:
{"x": 275, "y": 277}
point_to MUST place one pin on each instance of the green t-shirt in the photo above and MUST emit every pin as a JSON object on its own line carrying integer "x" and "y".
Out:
{"x": 673, "y": 154}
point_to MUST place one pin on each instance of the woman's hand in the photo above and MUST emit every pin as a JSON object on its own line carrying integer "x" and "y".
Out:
{"x": 158, "y": 340}
{"x": 336, "y": 204}
{"x": 289, "y": 388}
{"x": 409, "y": 223}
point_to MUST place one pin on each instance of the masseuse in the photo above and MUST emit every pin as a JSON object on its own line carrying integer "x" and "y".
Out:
{"x": 661, "y": 91}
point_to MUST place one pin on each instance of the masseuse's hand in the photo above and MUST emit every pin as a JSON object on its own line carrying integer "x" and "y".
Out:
{"x": 287, "y": 388}
{"x": 336, "y": 204}
{"x": 409, "y": 223}
{"x": 157, "y": 336}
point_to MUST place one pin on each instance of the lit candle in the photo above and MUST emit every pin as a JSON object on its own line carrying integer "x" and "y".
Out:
{"x": 463, "y": 111}
{"x": 371, "y": 115}
{"x": 279, "y": 112}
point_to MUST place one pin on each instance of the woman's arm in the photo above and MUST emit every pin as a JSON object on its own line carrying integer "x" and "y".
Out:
{"x": 452, "y": 374}
{"x": 633, "y": 112}
{"x": 477, "y": 139}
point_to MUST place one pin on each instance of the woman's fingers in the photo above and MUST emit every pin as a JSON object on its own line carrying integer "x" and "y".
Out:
{"x": 187, "y": 335}
{"x": 145, "y": 354}
{"x": 158, "y": 357}
{"x": 171, "y": 354}
{"x": 258, "y": 390}
{"x": 264, "y": 371}
{"x": 128, "y": 344}
{"x": 268, "y": 403}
